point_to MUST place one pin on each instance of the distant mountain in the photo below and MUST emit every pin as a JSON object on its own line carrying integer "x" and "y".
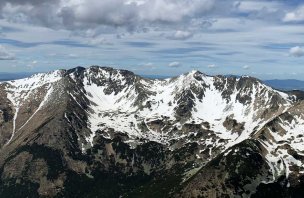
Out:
{"x": 102, "y": 132}
{"x": 286, "y": 85}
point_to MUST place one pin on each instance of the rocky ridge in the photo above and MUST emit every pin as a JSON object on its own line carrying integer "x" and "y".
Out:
{"x": 106, "y": 132}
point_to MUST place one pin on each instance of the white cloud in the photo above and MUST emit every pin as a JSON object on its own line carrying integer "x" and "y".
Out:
{"x": 99, "y": 41}
{"x": 229, "y": 36}
{"x": 72, "y": 55}
{"x": 246, "y": 67}
{"x": 148, "y": 64}
{"x": 32, "y": 64}
{"x": 86, "y": 14}
{"x": 265, "y": 10}
{"x": 172, "y": 10}
{"x": 180, "y": 35}
{"x": 212, "y": 66}
{"x": 296, "y": 51}
{"x": 255, "y": 6}
{"x": 6, "y": 55}
{"x": 175, "y": 64}
{"x": 295, "y": 16}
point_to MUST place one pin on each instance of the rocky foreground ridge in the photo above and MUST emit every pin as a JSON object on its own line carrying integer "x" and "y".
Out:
{"x": 103, "y": 132}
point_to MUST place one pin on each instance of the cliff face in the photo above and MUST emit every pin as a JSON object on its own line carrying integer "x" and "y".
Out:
{"x": 101, "y": 132}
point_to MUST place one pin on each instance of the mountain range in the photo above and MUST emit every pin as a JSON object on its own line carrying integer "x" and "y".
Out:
{"x": 104, "y": 132}
{"x": 280, "y": 84}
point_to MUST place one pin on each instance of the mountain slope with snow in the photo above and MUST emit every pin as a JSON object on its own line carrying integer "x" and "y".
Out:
{"x": 100, "y": 121}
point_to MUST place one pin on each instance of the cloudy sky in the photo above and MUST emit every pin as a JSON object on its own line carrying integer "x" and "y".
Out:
{"x": 261, "y": 38}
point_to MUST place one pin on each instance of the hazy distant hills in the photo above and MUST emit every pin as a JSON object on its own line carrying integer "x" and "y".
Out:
{"x": 5, "y": 76}
{"x": 288, "y": 84}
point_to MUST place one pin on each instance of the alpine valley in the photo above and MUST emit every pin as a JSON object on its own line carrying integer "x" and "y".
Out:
{"x": 103, "y": 132}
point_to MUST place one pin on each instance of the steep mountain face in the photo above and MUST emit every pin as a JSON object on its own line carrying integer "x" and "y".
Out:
{"x": 102, "y": 132}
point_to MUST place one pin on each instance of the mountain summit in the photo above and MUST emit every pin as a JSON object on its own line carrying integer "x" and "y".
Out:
{"x": 103, "y": 132}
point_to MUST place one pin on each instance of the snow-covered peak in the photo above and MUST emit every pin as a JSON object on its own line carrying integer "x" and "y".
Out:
{"x": 116, "y": 96}
{"x": 23, "y": 93}
{"x": 194, "y": 72}
{"x": 36, "y": 80}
